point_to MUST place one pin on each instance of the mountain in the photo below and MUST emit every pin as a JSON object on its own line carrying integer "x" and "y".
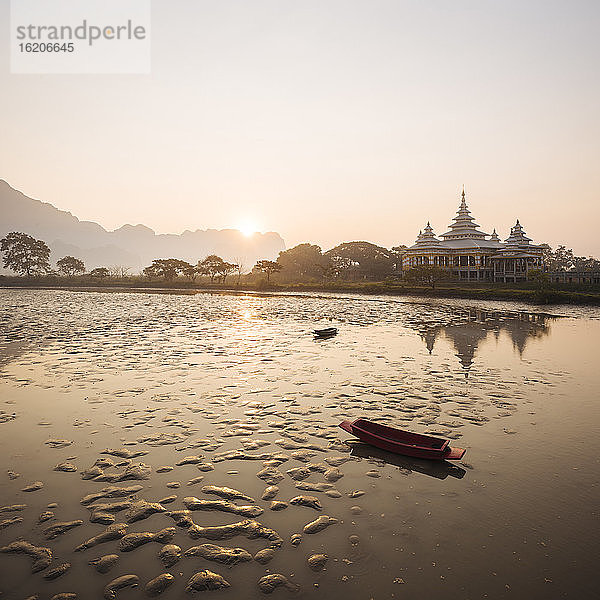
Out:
{"x": 132, "y": 246}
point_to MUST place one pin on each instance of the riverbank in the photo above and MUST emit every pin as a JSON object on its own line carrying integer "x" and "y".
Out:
{"x": 584, "y": 295}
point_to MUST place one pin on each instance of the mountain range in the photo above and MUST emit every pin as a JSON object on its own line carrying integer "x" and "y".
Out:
{"x": 131, "y": 246}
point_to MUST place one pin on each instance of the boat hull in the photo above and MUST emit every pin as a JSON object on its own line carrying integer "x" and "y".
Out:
{"x": 382, "y": 440}
{"x": 328, "y": 332}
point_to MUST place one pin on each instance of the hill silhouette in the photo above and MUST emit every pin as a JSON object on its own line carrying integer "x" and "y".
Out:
{"x": 131, "y": 246}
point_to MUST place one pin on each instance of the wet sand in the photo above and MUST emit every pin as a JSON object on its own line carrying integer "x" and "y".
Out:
{"x": 173, "y": 445}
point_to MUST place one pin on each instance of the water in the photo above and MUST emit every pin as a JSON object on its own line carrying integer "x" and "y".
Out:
{"x": 180, "y": 375}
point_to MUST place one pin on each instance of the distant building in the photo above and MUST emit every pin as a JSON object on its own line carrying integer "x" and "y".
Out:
{"x": 574, "y": 276}
{"x": 472, "y": 255}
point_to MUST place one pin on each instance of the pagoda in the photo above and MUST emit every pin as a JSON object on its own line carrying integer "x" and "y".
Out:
{"x": 463, "y": 225}
{"x": 472, "y": 255}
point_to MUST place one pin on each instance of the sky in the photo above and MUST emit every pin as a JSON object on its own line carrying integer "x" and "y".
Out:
{"x": 326, "y": 121}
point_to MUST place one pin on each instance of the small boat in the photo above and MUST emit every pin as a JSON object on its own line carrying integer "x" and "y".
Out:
{"x": 327, "y": 332}
{"x": 402, "y": 442}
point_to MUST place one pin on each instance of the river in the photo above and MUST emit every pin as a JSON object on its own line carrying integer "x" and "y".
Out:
{"x": 235, "y": 387}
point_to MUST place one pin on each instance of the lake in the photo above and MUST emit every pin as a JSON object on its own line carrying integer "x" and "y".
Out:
{"x": 115, "y": 389}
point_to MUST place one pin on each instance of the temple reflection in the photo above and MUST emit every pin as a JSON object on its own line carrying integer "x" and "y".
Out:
{"x": 479, "y": 325}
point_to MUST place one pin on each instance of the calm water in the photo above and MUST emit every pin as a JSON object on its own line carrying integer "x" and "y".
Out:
{"x": 200, "y": 375}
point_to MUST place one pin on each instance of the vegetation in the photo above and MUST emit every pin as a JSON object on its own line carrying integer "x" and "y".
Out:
{"x": 238, "y": 268}
{"x": 167, "y": 268}
{"x": 362, "y": 260}
{"x": 357, "y": 267}
{"x": 69, "y": 265}
{"x": 100, "y": 272}
{"x": 304, "y": 261}
{"x": 541, "y": 282}
{"x": 428, "y": 275}
{"x": 24, "y": 254}
{"x": 541, "y": 279}
{"x": 119, "y": 271}
{"x": 268, "y": 267}
{"x": 350, "y": 261}
{"x": 214, "y": 266}
{"x": 563, "y": 259}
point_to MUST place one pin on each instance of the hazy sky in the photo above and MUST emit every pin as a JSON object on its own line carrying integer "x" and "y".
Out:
{"x": 326, "y": 121}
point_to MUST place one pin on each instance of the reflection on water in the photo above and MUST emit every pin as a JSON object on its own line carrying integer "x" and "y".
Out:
{"x": 165, "y": 394}
{"x": 479, "y": 325}
{"x": 440, "y": 469}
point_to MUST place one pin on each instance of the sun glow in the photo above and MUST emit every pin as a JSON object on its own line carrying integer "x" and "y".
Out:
{"x": 247, "y": 227}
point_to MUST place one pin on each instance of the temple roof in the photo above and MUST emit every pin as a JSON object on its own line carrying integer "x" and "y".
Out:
{"x": 463, "y": 225}
{"x": 471, "y": 243}
{"x": 426, "y": 238}
{"x": 517, "y": 236}
{"x": 464, "y": 235}
{"x": 517, "y": 245}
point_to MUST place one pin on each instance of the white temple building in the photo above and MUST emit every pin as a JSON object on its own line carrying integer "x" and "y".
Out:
{"x": 473, "y": 255}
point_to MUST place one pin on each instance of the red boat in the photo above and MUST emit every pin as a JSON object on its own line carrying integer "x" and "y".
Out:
{"x": 402, "y": 442}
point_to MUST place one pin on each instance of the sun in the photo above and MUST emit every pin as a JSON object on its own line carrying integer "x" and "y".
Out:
{"x": 247, "y": 227}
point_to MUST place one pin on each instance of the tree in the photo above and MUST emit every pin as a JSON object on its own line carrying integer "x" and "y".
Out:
{"x": 190, "y": 271}
{"x": 327, "y": 270}
{"x": 24, "y": 254}
{"x": 212, "y": 266}
{"x": 268, "y": 267}
{"x": 238, "y": 268}
{"x": 169, "y": 268}
{"x": 361, "y": 260}
{"x": 541, "y": 279}
{"x": 542, "y": 284}
{"x": 302, "y": 261}
{"x": 226, "y": 269}
{"x": 546, "y": 254}
{"x": 69, "y": 265}
{"x": 119, "y": 271}
{"x": 99, "y": 272}
{"x": 397, "y": 253}
{"x": 427, "y": 275}
{"x": 561, "y": 259}
{"x": 586, "y": 264}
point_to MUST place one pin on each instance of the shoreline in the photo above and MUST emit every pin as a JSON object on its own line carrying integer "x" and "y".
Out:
{"x": 524, "y": 294}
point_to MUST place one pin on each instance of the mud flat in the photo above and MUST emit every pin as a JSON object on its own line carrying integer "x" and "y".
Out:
{"x": 177, "y": 446}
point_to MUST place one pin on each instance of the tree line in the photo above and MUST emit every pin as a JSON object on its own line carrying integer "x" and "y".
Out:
{"x": 27, "y": 256}
{"x": 563, "y": 259}
{"x": 212, "y": 266}
{"x": 350, "y": 261}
